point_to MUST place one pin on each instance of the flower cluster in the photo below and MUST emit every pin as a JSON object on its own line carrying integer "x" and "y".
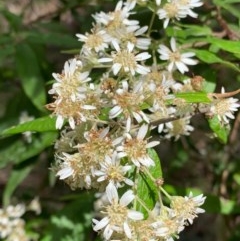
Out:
{"x": 12, "y": 225}
{"x": 110, "y": 99}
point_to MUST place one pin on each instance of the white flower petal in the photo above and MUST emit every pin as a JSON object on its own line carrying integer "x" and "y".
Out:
{"x": 181, "y": 67}
{"x": 65, "y": 173}
{"x": 116, "y": 68}
{"x": 127, "y": 230}
{"x": 142, "y": 56}
{"x": 105, "y": 60}
{"x": 126, "y": 198}
{"x": 135, "y": 215}
{"x": 173, "y": 44}
{"x": 142, "y": 132}
{"x": 152, "y": 144}
{"x": 101, "y": 224}
{"x": 115, "y": 111}
{"x": 107, "y": 233}
{"x": 111, "y": 192}
{"x": 59, "y": 122}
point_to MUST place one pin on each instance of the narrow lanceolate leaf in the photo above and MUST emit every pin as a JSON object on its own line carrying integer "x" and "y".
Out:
{"x": 227, "y": 45}
{"x": 42, "y": 124}
{"x": 16, "y": 177}
{"x": 18, "y": 151}
{"x": 219, "y": 130}
{"x": 30, "y": 75}
{"x": 146, "y": 188}
{"x": 194, "y": 97}
{"x": 211, "y": 58}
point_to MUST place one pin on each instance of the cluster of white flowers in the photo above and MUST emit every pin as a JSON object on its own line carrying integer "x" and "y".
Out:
{"x": 12, "y": 225}
{"x": 109, "y": 98}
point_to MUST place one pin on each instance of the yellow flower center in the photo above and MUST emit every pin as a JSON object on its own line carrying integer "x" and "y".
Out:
{"x": 135, "y": 148}
{"x": 126, "y": 59}
{"x": 171, "y": 9}
{"x": 94, "y": 40}
{"x": 116, "y": 213}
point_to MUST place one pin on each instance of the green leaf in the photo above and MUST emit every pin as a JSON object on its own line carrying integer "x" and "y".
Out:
{"x": 76, "y": 217}
{"x": 146, "y": 188}
{"x": 42, "y": 124}
{"x": 18, "y": 151}
{"x": 220, "y": 131}
{"x": 227, "y": 45}
{"x": 209, "y": 86}
{"x": 196, "y": 30}
{"x": 16, "y": 177}
{"x": 55, "y": 39}
{"x": 236, "y": 178}
{"x": 211, "y": 58}
{"x": 14, "y": 20}
{"x": 210, "y": 78}
{"x": 29, "y": 73}
{"x": 194, "y": 97}
{"x": 233, "y": 9}
{"x": 214, "y": 204}
{"x": 63, "y": 222}
{"x": 6, "y": 52}
{"x": 188, "y": 30}
{"x": 230, "y": 1}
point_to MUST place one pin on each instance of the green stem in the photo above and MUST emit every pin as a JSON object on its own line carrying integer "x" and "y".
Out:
{"x": 151, "y": 23}
{"x": 149, "y": 174}
{"x": 135, "y": 187}
{"x": 160, "y": 199}
{"x": 165, "y": 193}
{"x": 154, "y": 57}
{"x": 143, "y": 204}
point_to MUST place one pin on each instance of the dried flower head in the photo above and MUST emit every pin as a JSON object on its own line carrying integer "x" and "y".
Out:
{"x": 188, "y": 207}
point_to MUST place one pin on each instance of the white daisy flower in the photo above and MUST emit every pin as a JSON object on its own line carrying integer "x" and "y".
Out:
{"x": 73, "y": 95}
{"x": 118, "y": 17}
{"x": 188, "y": 207}
{"x": 224, "y": 108}
{"x": 167, "y": 224}
{"x": 75, "y": 169}
{"x": 178, "y": 127}
{"x": 125, "y": 60}
{"x": 113, "y": 172}
{"x": 175, "y": 57}
{"x": 128, "y": 103}
{"x": 190, "y": 4}
{"x": 177, "y": 9}
{"x": 135, "y": 148}
{"x": 15, "y": 211}
{"x": 172, "y": 10}
{"x": 132, "y": 34}
{"x": 117, "y": 221}
{"x": 72, "y": 82}
{"x": 66, "y": 167}
{"x": 98, "y": 40}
